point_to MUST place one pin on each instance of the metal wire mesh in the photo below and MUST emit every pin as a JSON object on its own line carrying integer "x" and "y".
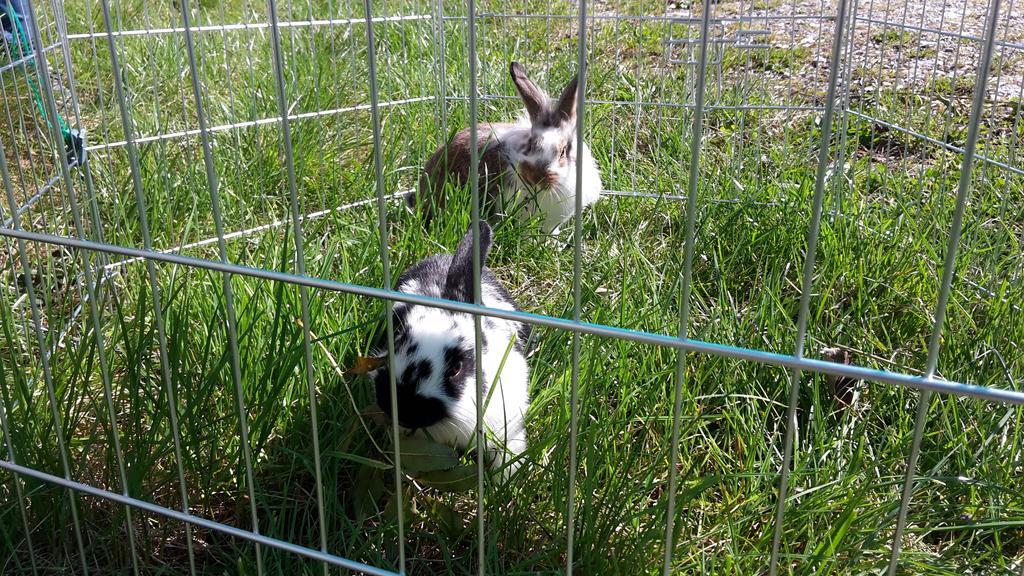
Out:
{"x": 727, "y": 82}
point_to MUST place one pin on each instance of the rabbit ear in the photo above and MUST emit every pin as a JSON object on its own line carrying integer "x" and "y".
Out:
{"x": 536, "y": 100}
{"x": 566, "y": 107}
{"x": 458, "y": 285}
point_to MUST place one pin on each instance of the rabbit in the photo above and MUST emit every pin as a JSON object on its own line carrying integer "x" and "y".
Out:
{"x": 532, "y": 160}
{"x": 435, "y": 361}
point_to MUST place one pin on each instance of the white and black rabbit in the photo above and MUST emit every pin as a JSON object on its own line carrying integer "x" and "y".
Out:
{"x": 530, "y": 163}
{"x": 435, "y": 358}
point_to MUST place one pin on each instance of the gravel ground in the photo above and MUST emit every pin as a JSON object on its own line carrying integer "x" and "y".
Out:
{"x": 914, "y": 45}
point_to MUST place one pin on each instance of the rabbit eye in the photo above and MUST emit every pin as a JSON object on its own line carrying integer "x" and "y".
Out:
{"x": 456, "y": 369}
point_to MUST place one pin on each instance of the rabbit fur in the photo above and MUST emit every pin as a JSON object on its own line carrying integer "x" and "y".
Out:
{"x": 528, "y": 166}
{"x": 435, "y": 358}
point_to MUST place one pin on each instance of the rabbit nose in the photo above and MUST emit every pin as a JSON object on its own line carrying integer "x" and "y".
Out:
{"x": 532, "y": 174}
{"x": 382, "y": 389}
{"x": 420, "y": 411}
{"x": 384, "y": 400}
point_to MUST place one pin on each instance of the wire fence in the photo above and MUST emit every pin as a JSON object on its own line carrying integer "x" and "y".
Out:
{"x": 56, "y": 214}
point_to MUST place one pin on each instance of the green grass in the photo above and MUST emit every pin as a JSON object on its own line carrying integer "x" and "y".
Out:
{"x": 875, "y": 284}
{"x": 893, "y": 37}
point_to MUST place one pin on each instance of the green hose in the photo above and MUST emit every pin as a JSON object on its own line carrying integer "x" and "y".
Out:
{"x": 74, "y": 143}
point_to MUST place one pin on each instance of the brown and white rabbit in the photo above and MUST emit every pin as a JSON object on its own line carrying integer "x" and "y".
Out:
{"x": 435, "y": 358}
{"x": 530, "y": 164}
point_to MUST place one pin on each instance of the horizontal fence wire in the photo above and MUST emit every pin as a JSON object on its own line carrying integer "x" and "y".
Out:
{"x": 43, "y": 190}
{"x": 933, "y": 383}
{"x": 113, "y": 268}
{"x": 958, "y": 35}
{"x": 455, "y": 98}
{"x": 193, "y": 520}
{"x": 655, "y": 104}
{"x": 251, "y": 123}
{"x": 261, "y": 228}
{"x": 247, "y": 26}
{"x": 650, "y": 17}
{"x": 926, "y": 138}
{"x": 22, "y": 61}
{"x": 332, "y": 22}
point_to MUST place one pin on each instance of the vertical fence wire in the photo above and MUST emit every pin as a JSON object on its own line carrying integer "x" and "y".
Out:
{"x": 94, "y": 314}
{"x": 958, "y": 52}
{"x": 634, "y": 150}
{"x": 229, "y": 80}
{"x": 56, "y": 198}
{"x": 42, "y": 199}
{"x": 317, "y": 102}
{"x": 1010, "y": 157}
{"x": 151, "y": 272}
{"x": 90, "y": 282}
{"x": 948, "y": 272}
{"x": 474, "y": 186}
{"x": 22, "y": 177}
{"x": 921, "y": 179}
{"x": 5, "y": 51}
{"x": 382, "y": 220}
{"x": 58, "y": 422}
{"x": 232, "y": 329}
{"x": 42, "y": 70}
{"x": 94, "y": 210}
{"x": 91, "y": 286}
{"x": 912, "y": 77}
{"x": 19, "y": 493}
{"x": 8, "y": 439}
{"x": 23, "y": 330}
{"x": 280, "y": 89}
{"x": 577, "y": 256}
{"x": 878, "y": 73}
{"x": 300, "y": 265}
{"x": 104, "y": 131}
{"x": 57, "y": 6}
{"x": 613, "y": 137}
{"x": 692, "y": 189}
{"x": 440, "y": 62}
{"x": 807, "y": 286}
{"x": 840, "y": 175}
{"x": 67, "y": 309}
{"x": 60, "y": 22}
